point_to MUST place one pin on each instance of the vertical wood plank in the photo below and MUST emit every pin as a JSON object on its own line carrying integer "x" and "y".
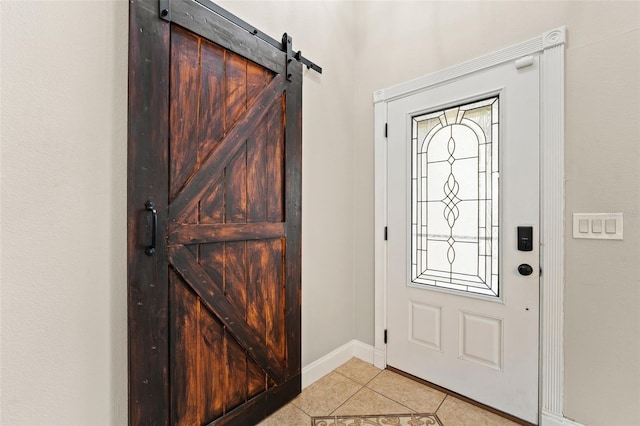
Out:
{"x": 236, "y": 188}
{"x": 257, "y": 79}
{"x": 148, "y": 177}
{"x": 212, "y": 367}
{"x": 212, "y": 259}
{"x": 293, "y": 217}
{"x": 275, "y": 163}
{"x": 183, "y": 116}
{"x": 236, "y": 275}
{"x": 257, "y": 174}
{"x": 212, "y": 204}
{"x": 211, "y": 124}
{"x": 256, "y": 379}
{"x": 236, "y": 89}
{"x": 185, "y": 353}
{"x": 194, "y": 249}
{"x": 274, "y": 288}
{"x": 236, "y": 377}
{"x": 256, "y": 294}
{"x": 191, "y": 216}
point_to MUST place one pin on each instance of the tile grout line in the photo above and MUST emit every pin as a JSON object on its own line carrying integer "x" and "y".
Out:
{"x": 360, "y": 384}
{"x": 441, "y": 402}
{"x": 391, "y": 399}
{"x": 381, "y": 394}
{"x": 352, "y": 395}
{"x": 398, "y": 402}
{"x": 436, "y": 412}
{"x": 347, "y": 400}
{"x": 372, "y": 390}
{"x": 369, "y": 381}
{"x": 363, "y": 386}
{"x": 300, "y": 408}
{"x": 484, "y": 408}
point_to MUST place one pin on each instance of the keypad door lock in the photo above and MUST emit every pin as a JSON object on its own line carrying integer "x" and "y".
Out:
{"x": 525, "y": 238}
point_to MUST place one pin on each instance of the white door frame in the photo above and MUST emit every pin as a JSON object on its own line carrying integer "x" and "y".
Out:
{"x": 550, "y": 45}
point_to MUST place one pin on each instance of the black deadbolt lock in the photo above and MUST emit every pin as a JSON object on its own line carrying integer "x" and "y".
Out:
{"x": 525, "y": 269}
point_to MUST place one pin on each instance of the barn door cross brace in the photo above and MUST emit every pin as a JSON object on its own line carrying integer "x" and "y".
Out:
{"x": 285, "y": 45}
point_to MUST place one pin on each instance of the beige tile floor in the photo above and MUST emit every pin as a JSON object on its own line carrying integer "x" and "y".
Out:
{"x": 359, "y": 388}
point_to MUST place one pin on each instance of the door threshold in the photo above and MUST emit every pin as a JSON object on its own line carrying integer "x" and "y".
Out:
{"x": 460, "y": 397}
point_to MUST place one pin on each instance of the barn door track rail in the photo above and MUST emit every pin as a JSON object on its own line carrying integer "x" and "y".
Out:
{"x": 284, "y": 45}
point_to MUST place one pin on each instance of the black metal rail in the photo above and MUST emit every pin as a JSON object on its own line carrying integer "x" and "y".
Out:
{"x": 282, "y": 45}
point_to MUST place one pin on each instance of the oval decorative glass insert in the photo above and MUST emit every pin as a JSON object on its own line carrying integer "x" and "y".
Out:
{"x": 454, "y": 198}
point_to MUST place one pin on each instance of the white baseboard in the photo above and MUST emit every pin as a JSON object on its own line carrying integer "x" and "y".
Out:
{"x": 334, "y": 359}
{"x": 363, "y": 351}
{"x": 552, "y": 419}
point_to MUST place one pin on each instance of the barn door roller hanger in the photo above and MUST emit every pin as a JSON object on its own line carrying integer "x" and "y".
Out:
{"x": 285, "y": 45}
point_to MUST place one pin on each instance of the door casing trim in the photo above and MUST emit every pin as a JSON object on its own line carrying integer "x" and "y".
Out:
{"x": 550, "y": 45}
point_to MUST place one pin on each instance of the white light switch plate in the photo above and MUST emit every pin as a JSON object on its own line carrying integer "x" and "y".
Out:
{"x": 609, "y": 226}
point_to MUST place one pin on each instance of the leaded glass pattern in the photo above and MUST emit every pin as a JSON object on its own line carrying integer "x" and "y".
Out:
{"x": 454, "y": 197}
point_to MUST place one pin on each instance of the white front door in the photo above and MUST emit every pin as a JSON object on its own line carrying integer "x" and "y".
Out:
{"x": 463, "y": 176}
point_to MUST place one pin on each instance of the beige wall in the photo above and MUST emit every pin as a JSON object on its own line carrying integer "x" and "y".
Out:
{"x": 63, "y": 175}
{"x": 63, "y": 193}
{"x": 397, "y": 41}
{"x": 602, "y": 293}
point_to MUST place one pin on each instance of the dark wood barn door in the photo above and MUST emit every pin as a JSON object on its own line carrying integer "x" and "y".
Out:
{"x": 215, "y": 155}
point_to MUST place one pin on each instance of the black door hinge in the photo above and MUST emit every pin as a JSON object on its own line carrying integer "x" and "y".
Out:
{"x": 386, "y": 233}
{"x": 385, "y": 336}
{"x": 386, "y": 130}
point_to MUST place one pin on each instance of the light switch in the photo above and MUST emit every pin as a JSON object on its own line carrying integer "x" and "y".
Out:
{"x": 584, "y": 226}
{"x": 599, "y": 226}
{"x": 596, "y": 226}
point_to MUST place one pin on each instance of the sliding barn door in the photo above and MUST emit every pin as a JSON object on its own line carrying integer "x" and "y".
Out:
{"x": 214, "y": 220}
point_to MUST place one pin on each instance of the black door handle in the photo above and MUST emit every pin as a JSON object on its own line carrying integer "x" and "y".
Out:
{"x": 151, "y": 250}
{"x": 525, "y": 269}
